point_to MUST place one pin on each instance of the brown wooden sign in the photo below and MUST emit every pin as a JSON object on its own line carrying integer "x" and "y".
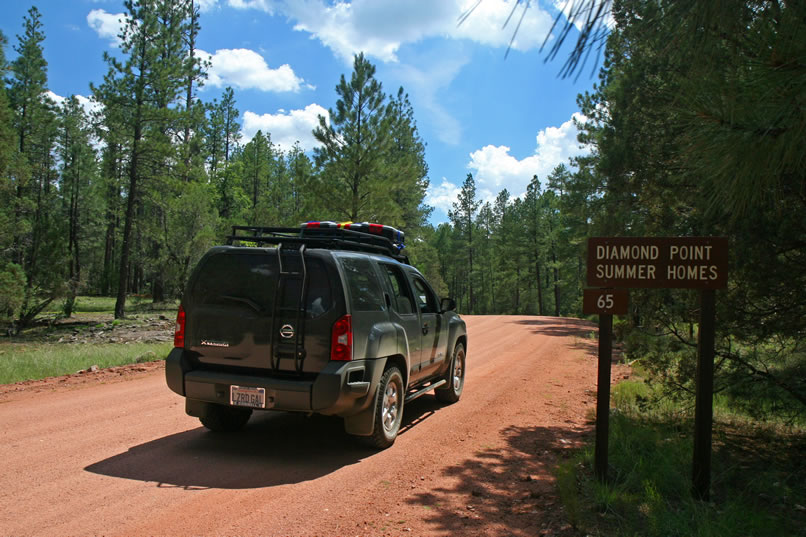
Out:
{"x": 658, "y": 262}
{"x": 605, "y": 301}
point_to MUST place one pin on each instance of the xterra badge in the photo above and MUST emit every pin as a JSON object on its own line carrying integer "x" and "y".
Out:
{"x": 210, "y": 343}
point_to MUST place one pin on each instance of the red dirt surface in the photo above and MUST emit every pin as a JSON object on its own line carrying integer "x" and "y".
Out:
{"x": 113, "y": 453}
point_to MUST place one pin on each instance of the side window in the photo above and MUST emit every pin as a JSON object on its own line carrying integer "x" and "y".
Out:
{"x": 362, "y": 283}
{"x": 426, "y": 300}
{"x": 401, "y": 299}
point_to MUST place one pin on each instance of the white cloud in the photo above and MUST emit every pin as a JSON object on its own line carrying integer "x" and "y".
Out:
{"x": 489, "y": 24}
{"x": 58, "y": 99}
{"x": 263, "y": 5}
{"x": 246, "y": 69}
{"x": 442, "y": 196}
{"x": 106, "y": 25}
{"x": 206, "y": 5}
{"x": 242, "y": 68}
{"x": 380, "y": 27}
{"x": 88, "y": 104}
{"x": 495, "y": 169}
{"x": 286, "y": 128}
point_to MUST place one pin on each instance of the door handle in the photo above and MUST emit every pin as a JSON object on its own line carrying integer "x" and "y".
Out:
{"x": 425, "y": 329}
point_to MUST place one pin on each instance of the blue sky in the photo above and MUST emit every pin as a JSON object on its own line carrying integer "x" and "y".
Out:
{"x": 502, "y": 119}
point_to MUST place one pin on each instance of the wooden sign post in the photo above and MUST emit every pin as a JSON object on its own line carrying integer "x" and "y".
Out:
{"x": 662, "y": 262}
{"x": 605, "y": 303}
{"x": 704, "y": 401}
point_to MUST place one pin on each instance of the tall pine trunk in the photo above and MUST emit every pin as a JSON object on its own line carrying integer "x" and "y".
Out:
{"x": 540, "y": 309}
{"x": 556, "y": 271}
{"x": 73, "y": 245}
{"x": 131, "y": 202}
{"x": 189, "y": 92}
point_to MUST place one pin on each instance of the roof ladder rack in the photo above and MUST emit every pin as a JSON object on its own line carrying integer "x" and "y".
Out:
{"x": 286, "y": 306}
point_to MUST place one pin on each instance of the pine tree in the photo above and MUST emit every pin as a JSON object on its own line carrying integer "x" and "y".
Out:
{"x": 463, "y": 217}
{"x": 407, "y": 165}
{"x": 112, "y": 169}
{"x": 12, "y": 175}
{"x": 232, "y": 129}
{"x": 147, "y": 86}
{"x": 705, "y": 138}
{"x": 300, "y": 171}
{"x": 193, "y": 113}
{"x": 34, "y": 247}
{"x": 354, "y": 182}
{"x": 78, "y": 164}
{"x": 450, "y": 259}
{"x": 485, "y": 256}
{"x": 222, "y": 134}
{"x": 536, "y": 235}
{"x": 258, "y": 159}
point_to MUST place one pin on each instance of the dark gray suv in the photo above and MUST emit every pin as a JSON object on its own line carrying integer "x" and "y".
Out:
{"x": 321, "y": 319}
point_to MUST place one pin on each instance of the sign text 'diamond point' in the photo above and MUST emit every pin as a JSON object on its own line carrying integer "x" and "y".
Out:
{"x": 658, "y": 262}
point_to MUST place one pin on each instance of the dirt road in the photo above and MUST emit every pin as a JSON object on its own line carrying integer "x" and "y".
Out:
{"x": 118, "y": 456}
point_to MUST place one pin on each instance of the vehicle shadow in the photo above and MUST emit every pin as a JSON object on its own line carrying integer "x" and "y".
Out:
{"x": 275, "y": 448}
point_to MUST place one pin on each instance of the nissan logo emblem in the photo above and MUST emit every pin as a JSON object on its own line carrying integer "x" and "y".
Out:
{"x": 287, "y": 331}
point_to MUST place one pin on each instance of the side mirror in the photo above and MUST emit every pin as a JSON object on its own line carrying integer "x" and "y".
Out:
{"x": 447, "y": 304}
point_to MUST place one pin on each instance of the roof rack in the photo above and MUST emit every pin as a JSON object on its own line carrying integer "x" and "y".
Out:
{"x": 333, "y": 238}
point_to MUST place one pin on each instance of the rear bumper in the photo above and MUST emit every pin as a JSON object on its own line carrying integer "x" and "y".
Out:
{"x": 341, "y": 388}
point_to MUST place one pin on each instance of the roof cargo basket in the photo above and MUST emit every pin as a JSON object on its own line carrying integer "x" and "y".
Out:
{"x": 357, "y": 237}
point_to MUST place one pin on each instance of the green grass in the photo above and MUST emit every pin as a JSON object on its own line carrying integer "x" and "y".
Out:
{"x": 34, "y": 353}
{"x": 19, "y": 361}
{"x": 106, "y": 304}
{"x": 758, "y": 476}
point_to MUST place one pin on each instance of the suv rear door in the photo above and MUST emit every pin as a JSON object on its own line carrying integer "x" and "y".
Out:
{"x": 404, "y": 312}
{"x": 230, "y": 308}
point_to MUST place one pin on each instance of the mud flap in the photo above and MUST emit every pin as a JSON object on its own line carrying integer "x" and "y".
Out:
{"x": 176, "y": 365}
{"x": 361, "y": 424}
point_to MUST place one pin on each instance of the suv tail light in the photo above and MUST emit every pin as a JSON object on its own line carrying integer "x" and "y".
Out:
{"x": 341, "y": 344}
{"x": 179, "y": 333}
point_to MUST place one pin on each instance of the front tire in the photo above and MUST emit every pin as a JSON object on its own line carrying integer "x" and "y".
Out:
{"x": 225, "y": 419}
{"x": 456, "y": 379}
{"x": 388, "y": 409}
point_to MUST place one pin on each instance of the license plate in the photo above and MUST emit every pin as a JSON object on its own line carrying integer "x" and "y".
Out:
{"x": 247, "y": 396}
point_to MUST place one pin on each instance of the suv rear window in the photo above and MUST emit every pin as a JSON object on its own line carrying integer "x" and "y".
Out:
{"x": 362, "y": 282}
{"x": 251, "y": 280}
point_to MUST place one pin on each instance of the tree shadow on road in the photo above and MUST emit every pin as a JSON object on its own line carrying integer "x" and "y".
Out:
{"x": 508, "y": 491}
{"x": 579, "y": 331}
{"x": 559, "y": 326}
{"x": 274, "y": 449}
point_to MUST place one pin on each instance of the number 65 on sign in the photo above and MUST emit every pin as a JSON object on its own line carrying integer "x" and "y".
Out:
{"x": 605, "y": 301}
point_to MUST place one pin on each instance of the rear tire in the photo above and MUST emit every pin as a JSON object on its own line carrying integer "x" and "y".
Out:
{"x": 389, "y": 401}
{"x": 225, "y": 419}
{"x": 456, "y": 378}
